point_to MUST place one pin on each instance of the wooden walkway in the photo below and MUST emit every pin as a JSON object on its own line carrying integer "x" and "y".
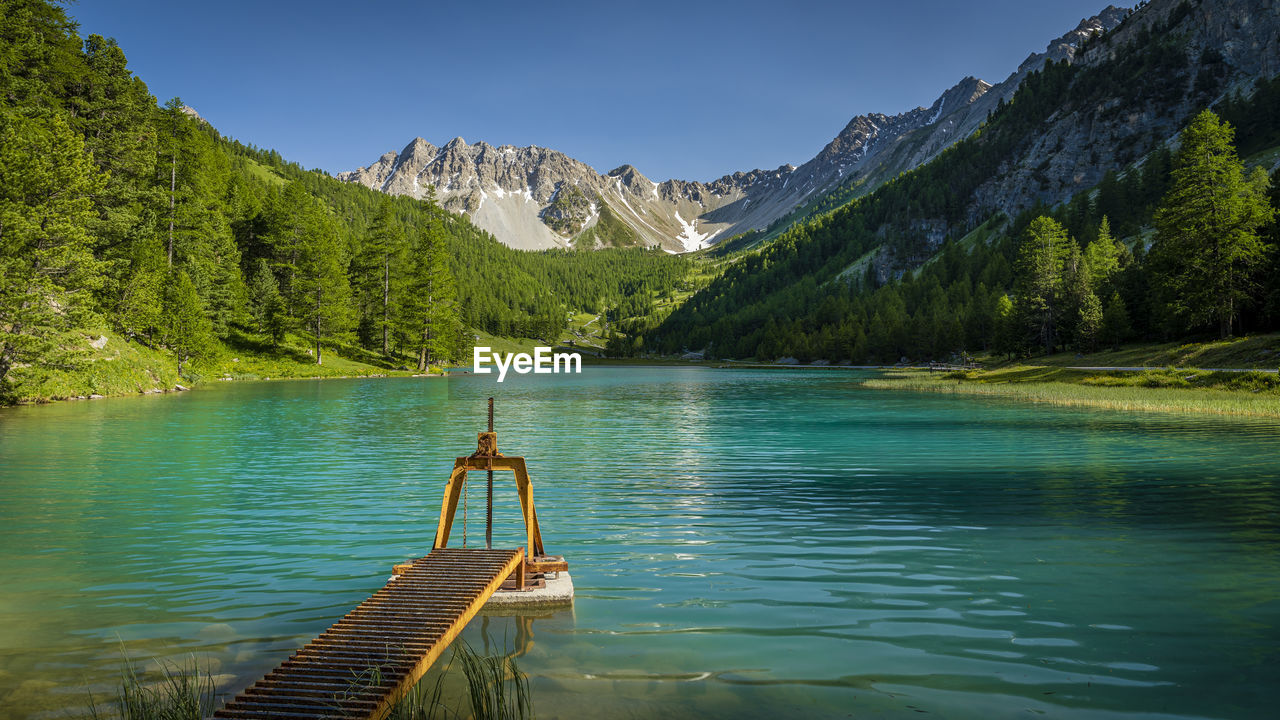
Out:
{"x": 363, "y": 665}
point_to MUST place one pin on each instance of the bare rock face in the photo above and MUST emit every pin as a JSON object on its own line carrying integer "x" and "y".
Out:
{"x": 537, "y": 198}
{"x": 1231, "y": 42}
{"x": 191, "y": 113}
{"x": 569, "y": 211}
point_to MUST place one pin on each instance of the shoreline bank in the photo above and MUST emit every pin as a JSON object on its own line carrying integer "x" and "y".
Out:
{"x": 212, "y": 382}
{"x": 1238, "y": 392}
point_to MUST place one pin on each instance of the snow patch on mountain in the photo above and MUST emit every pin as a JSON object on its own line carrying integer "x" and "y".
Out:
{"x": 689, "y": 235}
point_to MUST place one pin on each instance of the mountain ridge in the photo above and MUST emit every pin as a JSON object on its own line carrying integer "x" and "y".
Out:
{"x": 509, "y": 190}
{"x": 1083, "y": 140}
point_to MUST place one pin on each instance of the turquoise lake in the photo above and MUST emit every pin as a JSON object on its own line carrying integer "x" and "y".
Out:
{"x": 743, "y": 543}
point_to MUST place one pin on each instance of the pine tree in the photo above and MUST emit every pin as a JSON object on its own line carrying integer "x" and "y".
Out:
{"x": 113, "y": 112}
{"x": 187, "y": 330}
{"x": 177, "y": 131}
{"x": 265, "y": 303}
{"x": 1077, "y": 286}
{"x": 1207, "y": 241}
{"x": 1039, "y": 285}
{"x": 1104, "y": 257}
{"x": 323, "y": 293}
{"x": 287, "y": 220}
{"x": 1115, "y": 322}
{"x": 47, "y": 268}
{"x": 1006, "y": 327}
{"x": 141, "y": 306}
{"x": 39, "y": 55}
{"x": 428, "y": 316}
{"x": 378, "y": 270}
{"x": 1089, "y": 323}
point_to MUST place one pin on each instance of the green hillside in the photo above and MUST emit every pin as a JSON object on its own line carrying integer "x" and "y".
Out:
{"x": 142, "y": 222}
{"x": 900, "y": 272}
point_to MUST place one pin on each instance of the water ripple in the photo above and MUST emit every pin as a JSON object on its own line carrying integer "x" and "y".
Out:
{"x": 743, "y": 543}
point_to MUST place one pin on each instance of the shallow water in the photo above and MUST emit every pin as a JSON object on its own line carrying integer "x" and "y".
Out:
{"x": 744, "y": 543}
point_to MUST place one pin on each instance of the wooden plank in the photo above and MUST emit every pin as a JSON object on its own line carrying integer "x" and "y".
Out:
{"x": 370, "y": 659}
{"x": 548, "y": 563}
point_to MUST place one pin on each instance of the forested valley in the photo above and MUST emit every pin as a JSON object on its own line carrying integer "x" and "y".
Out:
{"x": 118, "y": 214}
{"x": 126, "y": 217}
{"x": 1181, "y": 245}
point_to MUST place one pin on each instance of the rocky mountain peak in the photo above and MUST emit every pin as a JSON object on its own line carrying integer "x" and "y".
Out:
{"x": 1064, "y": 47}
{"x": 511, "y": 191}
{"x": 419, "y": 148}
{"x": 627, "y": 171}
{"x": 191, "y": 113}
{"x": 957, "y": 96}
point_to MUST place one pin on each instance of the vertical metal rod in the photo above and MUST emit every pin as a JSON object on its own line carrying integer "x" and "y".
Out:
{"x": 488, "y": 513}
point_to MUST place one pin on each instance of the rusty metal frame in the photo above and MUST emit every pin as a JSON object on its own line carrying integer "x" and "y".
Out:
{"x": 488, "y": 462}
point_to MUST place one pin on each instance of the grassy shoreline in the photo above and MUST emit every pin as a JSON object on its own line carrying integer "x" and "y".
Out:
{"x": 124, "y": 367}
{"x": 1254, "y": 394}
{"x": 114, "y": 366}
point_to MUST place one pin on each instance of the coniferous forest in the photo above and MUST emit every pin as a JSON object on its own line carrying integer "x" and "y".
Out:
{"x": 1182, "y": 245}
{"x": 120, "y": 213}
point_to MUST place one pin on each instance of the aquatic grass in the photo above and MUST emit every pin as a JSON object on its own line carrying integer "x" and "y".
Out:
{"x": 495, "y": 685}
{"x": 494, "y": 689}
{"x": 424, "y": 701}
{"x": 1173, "y": 390}
{"x": 184, "y": 693}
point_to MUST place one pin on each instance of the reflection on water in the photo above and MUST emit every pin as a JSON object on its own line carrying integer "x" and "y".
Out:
{"x": 743, "y": 543}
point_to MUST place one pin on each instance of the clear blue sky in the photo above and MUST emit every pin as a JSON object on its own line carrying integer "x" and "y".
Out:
{"x": 691, "y": 90}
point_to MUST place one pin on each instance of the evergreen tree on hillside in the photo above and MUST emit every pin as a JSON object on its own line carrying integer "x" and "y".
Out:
{"x": 1105, "y": 257}
{"x": 1115, "y": 322}
{"x": 39, "y": 55}
{"x": 47, "y": 268}
{"x": 1007, "y": 334}
{"x": 140, "y": 312}
{"x": 265, "y": 303}
{"x": 1207, "y": 244}
{"x": 197, "y": 230}
{"x": 1039, "y": 282}
{"x": 289, "y": 217}
{"x": 1077, "y": 293}
{"x": 112, "y": 110}
{"x": 187, "y": 330}
{"x": 427, "y": 317}
{"x": 1089, "y": 322}
{"x": 377, "y": 272}
{"x": 323, "y": 294}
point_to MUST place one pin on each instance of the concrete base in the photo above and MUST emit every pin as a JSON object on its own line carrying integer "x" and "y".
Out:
{"x": 557, "y": 593}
